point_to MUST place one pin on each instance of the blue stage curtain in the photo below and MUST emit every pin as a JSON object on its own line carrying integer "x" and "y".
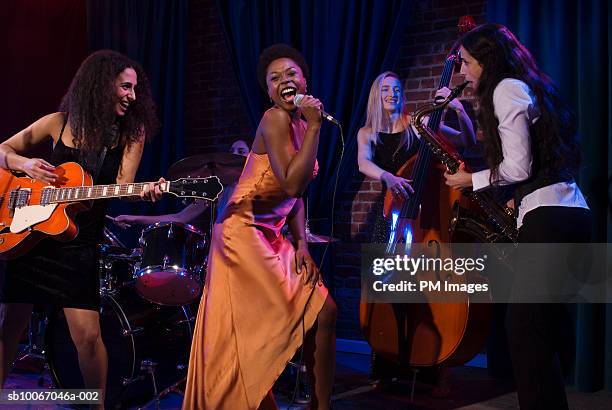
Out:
{"x": 346, "y": 44}
{"x": 571, "y": 42}
{"x": 152, "y": 32}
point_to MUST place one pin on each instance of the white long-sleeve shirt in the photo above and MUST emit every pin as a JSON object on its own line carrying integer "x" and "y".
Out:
{"x": 514, "y": 108}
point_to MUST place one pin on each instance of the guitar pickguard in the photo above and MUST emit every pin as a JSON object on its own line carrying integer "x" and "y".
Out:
{"x": 28, "y": 216}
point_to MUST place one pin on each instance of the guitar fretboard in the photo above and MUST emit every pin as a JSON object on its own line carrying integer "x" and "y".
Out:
{"x": 81, "y": 193}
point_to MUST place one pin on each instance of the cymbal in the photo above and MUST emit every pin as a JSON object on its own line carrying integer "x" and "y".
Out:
{"x": 314, "y": 238}
{"x": 226, "y": 166}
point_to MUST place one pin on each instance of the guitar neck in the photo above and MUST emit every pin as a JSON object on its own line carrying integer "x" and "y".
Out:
{"x": 86, "y": 193}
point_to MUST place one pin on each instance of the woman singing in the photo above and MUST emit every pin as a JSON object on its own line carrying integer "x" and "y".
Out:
{"x": 262, "y": 292}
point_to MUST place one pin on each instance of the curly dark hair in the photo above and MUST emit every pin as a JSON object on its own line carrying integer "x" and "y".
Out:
{"x": 554, "y": 134}
{"x": 91, "y": 100}
{"x": 275, "y": 52}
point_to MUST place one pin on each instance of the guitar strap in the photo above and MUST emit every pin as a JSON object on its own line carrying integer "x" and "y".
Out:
{"x": 100, "y": 161}
{"x": 110, "y": 138}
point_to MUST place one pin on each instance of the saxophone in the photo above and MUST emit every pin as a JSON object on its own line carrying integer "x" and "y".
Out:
{"x": 500, "y": 224}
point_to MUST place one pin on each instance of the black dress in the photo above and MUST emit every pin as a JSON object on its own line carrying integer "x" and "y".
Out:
{"x": 64, "y": 274}
{"x": 388, "y": 157}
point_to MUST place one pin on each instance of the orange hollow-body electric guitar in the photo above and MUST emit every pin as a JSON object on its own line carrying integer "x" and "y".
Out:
{"x": 31, "y": 210}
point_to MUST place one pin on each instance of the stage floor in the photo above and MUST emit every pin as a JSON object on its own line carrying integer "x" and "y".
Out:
{"x": 471, "y": 389}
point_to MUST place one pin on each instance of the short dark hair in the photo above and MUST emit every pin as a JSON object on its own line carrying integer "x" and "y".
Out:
{"x": 274, "y": 52}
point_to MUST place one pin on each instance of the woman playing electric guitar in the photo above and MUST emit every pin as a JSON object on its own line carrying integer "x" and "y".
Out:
{"x": 108, "y": 104}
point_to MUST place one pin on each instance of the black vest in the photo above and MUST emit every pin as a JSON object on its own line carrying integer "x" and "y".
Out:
{"x": 539, "y": 178}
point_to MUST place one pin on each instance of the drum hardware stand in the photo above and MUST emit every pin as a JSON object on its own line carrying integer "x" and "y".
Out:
{"x": 107, "y": 287}
{"x": 172, "y": 389}
{"x": 32, "y": 356}
{"x": 112, "y": 238}
{"x": 301, "y": 390}
{"x": 189, "y": 320}
{"x": 131, "y": 332}
{"x": 149, "y": 366}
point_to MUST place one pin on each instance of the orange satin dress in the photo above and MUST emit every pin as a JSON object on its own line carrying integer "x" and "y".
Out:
{"x": 249, "y": 322}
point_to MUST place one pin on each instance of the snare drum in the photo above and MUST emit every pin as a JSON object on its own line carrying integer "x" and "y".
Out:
{"x": 172, "y": 267}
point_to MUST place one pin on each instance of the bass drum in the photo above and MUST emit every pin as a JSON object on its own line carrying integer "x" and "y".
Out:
{"x": 146, "y": 344}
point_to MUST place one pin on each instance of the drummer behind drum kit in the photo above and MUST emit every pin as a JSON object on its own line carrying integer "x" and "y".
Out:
{"x": 149, "y": 298}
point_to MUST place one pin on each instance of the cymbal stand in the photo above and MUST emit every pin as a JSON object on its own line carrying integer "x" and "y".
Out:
{"x": 306, "y": 225}
{"x": 213, "y": 205}
{"x": 301, "y": 394}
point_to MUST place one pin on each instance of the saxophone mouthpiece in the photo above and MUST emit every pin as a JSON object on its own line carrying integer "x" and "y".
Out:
{"x": 455, "y": 92}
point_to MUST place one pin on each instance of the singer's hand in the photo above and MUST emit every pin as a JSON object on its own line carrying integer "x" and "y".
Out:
{"x": 306, "y": 266}
{"x": 442, "y": 94}
{"x": 311, "y": 110}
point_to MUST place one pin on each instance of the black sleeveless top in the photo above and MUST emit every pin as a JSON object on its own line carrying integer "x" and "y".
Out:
{"x": 386, "y": 153}
{"x": 388, "y": 157}
{"x": 64, "y": 274}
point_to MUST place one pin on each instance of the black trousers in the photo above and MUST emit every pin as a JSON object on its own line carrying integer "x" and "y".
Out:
{"x": 536, "y": 330}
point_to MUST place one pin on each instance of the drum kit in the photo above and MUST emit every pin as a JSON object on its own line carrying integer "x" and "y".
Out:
{"x": 149, "y": 297}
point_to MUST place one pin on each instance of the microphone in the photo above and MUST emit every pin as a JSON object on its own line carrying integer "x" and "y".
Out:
{"x": 297, "y": 100}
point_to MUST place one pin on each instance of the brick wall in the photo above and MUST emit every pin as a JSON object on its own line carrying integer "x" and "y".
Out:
{"x": 215, "y": 117}
{"x": 427, "y": 40}
{"x": 214, "y": 113}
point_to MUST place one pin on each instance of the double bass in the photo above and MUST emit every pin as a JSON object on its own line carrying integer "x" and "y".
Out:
{"x": 430, "y": 333}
